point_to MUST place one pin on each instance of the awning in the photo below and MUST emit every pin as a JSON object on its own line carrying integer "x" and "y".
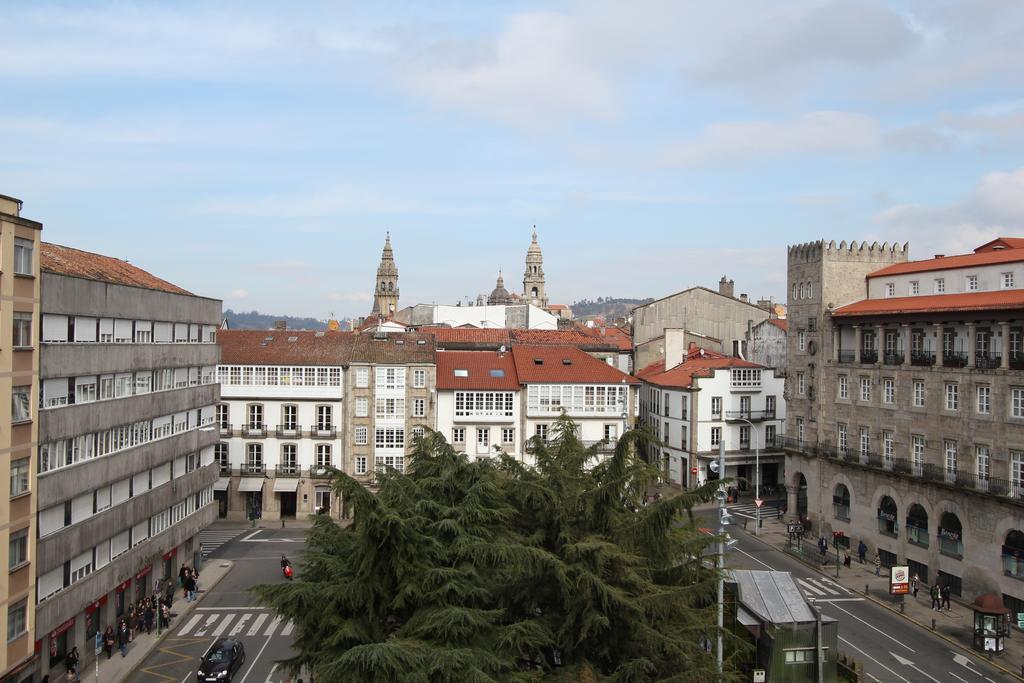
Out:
{"x": 286, "y": 485}
{"x": 250, "y": 484}
{"x": 221, "y": 484}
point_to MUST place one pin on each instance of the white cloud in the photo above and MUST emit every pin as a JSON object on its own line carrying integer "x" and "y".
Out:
{"x": 237, "y": 294}
{"x": 350, "y": 296}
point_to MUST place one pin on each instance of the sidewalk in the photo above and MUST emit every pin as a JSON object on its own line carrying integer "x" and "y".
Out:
{"x": 955, "y": 626}
{"x": 118, "y": 668}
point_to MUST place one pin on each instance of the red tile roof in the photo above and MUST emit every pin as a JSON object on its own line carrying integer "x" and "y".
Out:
{"x": 779, "y": 323}
{"x": 1004, "y": 299}
{"x": 698, "y": 363}
{"x": 563, "y": 365}
{"x": 554, "y": 337}
{"x": 613, "y": 335}
{"x": 469, "y": 335}
{"x": 481, "y": 368}
{"x": 1001, "y": 242}
{"x": 295, "y": 347}
{"x": 980, "y": 258}
{"x": 493, "y": 338}
{"x": 54, "y": 258}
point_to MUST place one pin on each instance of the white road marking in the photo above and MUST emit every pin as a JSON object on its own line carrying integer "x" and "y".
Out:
{"x": 273, "y": 627}
{"x": 808, "y": 586}
{"x": 957, "y": 677}
{"x": 875, "y": 628}
{"x": 755, "y": 559}
{"x": 287, "y": 630}
{"x": 252, "y": 665}
{"x": 190, "y": 625}
{"x": 223, "y": 625}
{"x": 873, "y": 660}
{"x": 255, "y": 628}
{"x": 906, "y": 662}
{"x": 209, "y": 622}
{"x": 242, "y": 620}
{"x": 255, "y": 533}
{"x": 224, "y": 609}
{"x": 819, "y": 600}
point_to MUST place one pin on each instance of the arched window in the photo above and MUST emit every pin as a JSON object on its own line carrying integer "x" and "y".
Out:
{"x": 1013, "y": 554}
{"x": 810, "y": 290}
{"x": 801, "y": 290}
{"x": 917, "y": 525}
{"x": 794, "y": 291}
{"x": 841, "y": 502}
{"x": 951, "y": 535}
{"x": 887, "y": 523}
{"x": 391, "y": 287}
{"x": 533, "y": 292}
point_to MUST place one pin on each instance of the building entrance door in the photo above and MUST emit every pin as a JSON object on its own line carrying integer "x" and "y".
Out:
{"x": 288, "y": 504}
{"x": 222, "y": 503}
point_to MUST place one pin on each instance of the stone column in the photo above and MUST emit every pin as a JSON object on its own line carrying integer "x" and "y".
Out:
{"x": 879, "y": 343}
{"x": 792, "y": 496}
{"x": 858, "y": 342}
{"x": 1004, "y": 332}
{"x": 939, "y": 359}
{"x": 972, "y": 342}
{"x": 905, "y": 333}
{"x": 837, "y": 340}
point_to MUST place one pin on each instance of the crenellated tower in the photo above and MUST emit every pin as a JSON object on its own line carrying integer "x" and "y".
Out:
{"x": 385, "y": 296}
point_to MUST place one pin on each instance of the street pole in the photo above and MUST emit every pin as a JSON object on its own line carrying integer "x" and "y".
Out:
{"x": 721, "y": 554}
{"x": 757, "y": 476}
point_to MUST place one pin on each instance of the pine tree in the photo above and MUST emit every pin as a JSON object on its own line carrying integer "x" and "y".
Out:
{"x": 491, "y": 571}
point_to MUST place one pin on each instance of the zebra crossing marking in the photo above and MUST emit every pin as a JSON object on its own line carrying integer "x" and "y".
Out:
{"x": 808, "y": 586}
{"x": 287, "y": 630}
{"x": 255, "y": 628}
{"x": 211, "y": 539}
{"x": 225, "y": 624}
{"x": 202, "y": 630}
{"x": 191, "y": 624}
{"x": 246, "y": 616}
{"x": 273, "y": 626}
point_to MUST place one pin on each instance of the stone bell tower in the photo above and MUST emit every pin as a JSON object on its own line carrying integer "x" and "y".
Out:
{"x": 533, "y": 278}
{"x": 385, "y": 296}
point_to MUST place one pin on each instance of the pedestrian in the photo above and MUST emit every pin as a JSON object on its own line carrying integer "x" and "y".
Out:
{"x": 878, "y": 564}
{"x": 150, "y": 614}
{"x": 190, "y": 588}
{"x": 846, "y": 560}
{"x": 131, "y": 621}
{"x": 123, "y": 636}
{"x": 140, "y": 619}
{"x": 934, "y": 593}
{"x": 181, "y": 575}
{"x": 945, "y": 593}
{"x": 915, "y": 584}
{"x": 862, "y": 550}
{"x": 71, "y": 663}
{"x": 184, "y": 582}
{"x": 108, "y": 641}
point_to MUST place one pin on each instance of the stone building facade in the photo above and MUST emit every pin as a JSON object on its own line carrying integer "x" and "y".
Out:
{"x": 385, "y": 291}
{"x": 906, "y": 398}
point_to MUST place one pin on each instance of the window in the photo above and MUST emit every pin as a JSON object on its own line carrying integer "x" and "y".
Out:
{"x": 918, "y": 394}
{"x": 716, "y": 405}
{"x": 419, "y": 378}
{"x": 1016, "y": 472}
{"x": 865, "y": 442}
{"x": 716, "y": 435}
{"x": 23, "y": 256}
{"x": 483, "y": 437}
{"x": 950, "y": 449}
{"x": 890, "y": 289}
{"x": 254, "y": 455}
{"x": 419, "y": 407}
{"x": 801, "y": 656}
{"x": 802, "y": 290}
{"x": 541, "y": 431}
{"x": 744, "y": 437}
{"x": 800, "y": 431}
{"x": 361, "y": 436}
{"x": 769, "y": 436}
{"x": 972, "y": 283}
{"x": 19, "y": 476}
{"x": 887, "y": 447}
{"x": 611, "y": 432}
{"x": 984, "y": 400}
{"x": 801, "y": 337}
{"x": 22, "y": 330}
{"x": 390, "y": 408}
{"x": 21, "y": 402}
{"x": 865, "y": 388}
{"x": 17, "y": 548}
{"x": 844, "y": 387}
{"x": 255, "y": 416}
{"x": 745, "y": 377}
{"x": 1007, "y": 280}
{"x": 323, "y": 455}
{"x": 794, "y": 296}
{"x": 362, "y": 406}
{"x": 458, "y": 435}
{"x": 389, "y": 437}
{"x": 1017, "y": 402}
{"x": 16, "y": 619}
{"x": 508, "y": 435}
{"x": 220, "y": 456}
{"x": 801, "y": 384}
{"x": 361, "y": 463}
{"x": 324, "y": 418}
{"x": 390, "y": 379}
{"x": 841, "y": 437}
{"x": 889, "y": 392}
{"x": 952, "y": 396}
{"x": 915, "y": 288}
{"x": 769, "y": 406}
{"x": 917, "y": 453}
{"x": 982, "y": 462}
{"x": 940, "y": 285}
{"x": 362, "y": 378}
{"x": 289, "y": 458}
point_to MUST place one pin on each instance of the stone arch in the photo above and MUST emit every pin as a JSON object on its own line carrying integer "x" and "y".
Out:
{"x": 797, "y": 499}
{"x": 888, "y": 516}
{"x": 1012, "y": 553}
{"x": 842, "y": 501}
{"x": 950, "y": 531}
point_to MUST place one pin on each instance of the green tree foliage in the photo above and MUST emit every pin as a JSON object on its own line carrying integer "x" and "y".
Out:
{"x": 492, "y": 571}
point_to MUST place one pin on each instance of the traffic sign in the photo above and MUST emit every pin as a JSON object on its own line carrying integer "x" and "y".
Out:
{"x": 99, "y": 643}
{"x": 758, "y": 502}
{"x": 693, "y": 470}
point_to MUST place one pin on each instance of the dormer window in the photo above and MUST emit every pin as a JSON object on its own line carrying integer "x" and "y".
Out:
{"x": 915, "y": 288}
{"x": 890, "y": 289}
{"x": 497, "y": 372}
{"x": 940, "y": 285}
{"x": 461, "y": 372}
{"x": 538, "y": 361}
{"x": 972, "y": 283}
{"x": 566, "y": 361}
{"x": 1007, "y": 280}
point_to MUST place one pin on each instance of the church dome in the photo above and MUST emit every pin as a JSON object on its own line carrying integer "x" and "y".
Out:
{"x": 499, "y": 296}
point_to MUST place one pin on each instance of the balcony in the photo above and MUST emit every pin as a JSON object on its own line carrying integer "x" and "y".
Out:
{"x": 323, "y": 432}
{"x": 893, "y": 358}
{"x": 291, "y": 431}
{"x": 988, "y": 361}
{"x": 254, "y": 430}
{"x": 1016, "y": 360}
{"x": 225, "y": 429}
{"x": 868, "y": 356}
{"x": 287, "y": 470}
{"x": 250, "y": 469}
{"x": 954, "y": 359}
{"x": 922, "y": 358}
{"x": 847, "y": 356}
{"x": 752, "y": 415}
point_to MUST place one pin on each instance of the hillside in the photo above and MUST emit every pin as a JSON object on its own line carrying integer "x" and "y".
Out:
{"x": 254, "y": 320}
{"x": 609, "y": 307}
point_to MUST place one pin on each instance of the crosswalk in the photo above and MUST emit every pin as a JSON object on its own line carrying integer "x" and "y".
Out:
{"x": 769, "y": 510}
{"x": 217, "y": 623}
{"x": 211, "y": 539}
{"x": 823, "y": 589}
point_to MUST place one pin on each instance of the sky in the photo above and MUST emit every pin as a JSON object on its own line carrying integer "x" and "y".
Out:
{"x": 258, "y": 152}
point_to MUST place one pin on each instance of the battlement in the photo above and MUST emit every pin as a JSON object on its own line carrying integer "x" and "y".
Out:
{"x": 820, "y": 250}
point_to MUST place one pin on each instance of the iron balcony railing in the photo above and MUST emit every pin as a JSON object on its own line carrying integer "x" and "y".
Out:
{"x": 869, "y": 356}
{"x": 925, "y": 358}
{"x": 225, "y": 429}
{"x": 847, "y": 356}
{"x": 289, "y": 431}
{"x": 287, "y": 470}
{"x": 1017, "y": 361}
{"x": 988, "y": 361}
{"x": 323, "y": 431}
{"x": 893, "y": 358}
{"x": 954, "y": 359}
{"x": 252, "y": 468}
{"x": 254, "y": 429}
{"x": 752, "y": 415}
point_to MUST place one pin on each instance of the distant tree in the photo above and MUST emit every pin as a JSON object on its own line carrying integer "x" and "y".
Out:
{"x": 491, "y": 571}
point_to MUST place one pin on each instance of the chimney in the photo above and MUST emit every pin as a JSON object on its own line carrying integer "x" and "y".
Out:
{"x": 692, "y": 347}
{"x": 675, "y": 347}
{"x": 281, "y": 325}
{"x": 725, "y": 287}
{"x": 743, "y": 297}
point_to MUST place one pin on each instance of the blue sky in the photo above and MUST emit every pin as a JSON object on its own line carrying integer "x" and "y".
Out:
{"x": 258, "y": 151}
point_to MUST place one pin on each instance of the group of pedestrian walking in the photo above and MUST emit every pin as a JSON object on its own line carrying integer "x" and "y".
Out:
{"x": 188, "y": 579}
{"x": 71, "y": 664}
{"x": 940, "y": 596}
{"x": 150, "y": 611}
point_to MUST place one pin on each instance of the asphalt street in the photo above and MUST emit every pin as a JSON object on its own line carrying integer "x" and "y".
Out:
{"x": 891, "y": 648}
{"x": 229, "y": 610}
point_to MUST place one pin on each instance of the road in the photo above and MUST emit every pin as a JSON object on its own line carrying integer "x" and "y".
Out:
{"x": 229, "y": 609}
{"x": 891, "y": 648}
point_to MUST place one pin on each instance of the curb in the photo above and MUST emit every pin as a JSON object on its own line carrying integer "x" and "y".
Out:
{"x": 925, "y": 627}
{"x": 135, "y": 669}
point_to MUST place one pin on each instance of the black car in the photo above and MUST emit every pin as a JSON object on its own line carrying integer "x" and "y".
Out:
{"x": 222, "y": 661}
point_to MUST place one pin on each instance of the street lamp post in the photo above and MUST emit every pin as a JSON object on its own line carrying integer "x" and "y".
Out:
{"x": 757, "y": 475}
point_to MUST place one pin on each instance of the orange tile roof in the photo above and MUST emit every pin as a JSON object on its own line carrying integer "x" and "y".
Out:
{"x": 302, "y": 347}
{"x": 613, "y": 335}
{"x": 779, "y": 323}
{"x": 479, "y": 367}
{"x": 469, "y": 335}
{"x": 697, "y": 364}
{"x": 54, "y": 258}
{"x": 1004, "y": 299}
{"x": 563, "y": 365}
{"x": 982, "y": 258}
{"x": 1003, "y": 242}
{"x": 555, "y": 337}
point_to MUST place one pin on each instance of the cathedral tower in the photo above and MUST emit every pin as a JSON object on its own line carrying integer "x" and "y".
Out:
{"x": 533, "y": 278}
{"x": 385, "y": 296}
